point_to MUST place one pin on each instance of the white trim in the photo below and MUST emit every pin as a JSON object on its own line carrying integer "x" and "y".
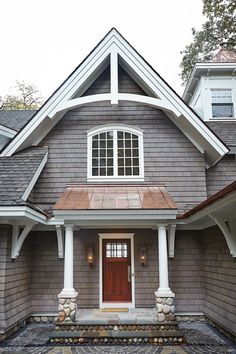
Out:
{"x": 171, "y": 240}
{"x": 8, "y": 132}
{"x": 18, "y": 240}
{"x": 114, "y": 98}
{"x": 214, "y": 148}
{"x": 114, "y": 75}
{"x": 227, "y": 232}
{"x": 203, "y": 68}
{"x": 121, "y": 214}
{"x": 116, "y": 304}
{"x": 22, "y": 211}
{"x": 60, "y": 241}
{"x": 35, "y": 178}
{"x": 115, "y": 128}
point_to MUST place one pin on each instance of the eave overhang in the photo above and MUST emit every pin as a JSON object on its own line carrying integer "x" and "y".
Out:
{"x": 206, "y": 69}
{"x": 25, "y": 214}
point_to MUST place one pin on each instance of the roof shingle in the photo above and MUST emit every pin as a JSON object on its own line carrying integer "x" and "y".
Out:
{"x": 15, "y": 119}
{"x": 16, "y": 172}
{"x": 225, "y": 130}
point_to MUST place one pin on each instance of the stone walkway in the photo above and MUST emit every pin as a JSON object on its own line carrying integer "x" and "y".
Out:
{"x": 201, "y": 339}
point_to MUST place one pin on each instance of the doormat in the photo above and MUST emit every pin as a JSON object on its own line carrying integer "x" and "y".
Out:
{"x": 110, "y": 309}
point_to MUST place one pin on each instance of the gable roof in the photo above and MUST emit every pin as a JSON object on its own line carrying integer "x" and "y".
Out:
{"x": 18, "y": 174}
{"x": 115, "y": 49}
{"x": 15, "y": 119}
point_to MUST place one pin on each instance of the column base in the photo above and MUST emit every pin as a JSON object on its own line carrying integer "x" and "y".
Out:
{"x": 67, "y": 307}
{"x": 165, "y": 307}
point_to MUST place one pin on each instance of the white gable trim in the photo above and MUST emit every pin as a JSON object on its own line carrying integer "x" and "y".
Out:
{"x": 112, "y": 46}
{"x": 150, "y": 101}
{"x": 35, "y": 178}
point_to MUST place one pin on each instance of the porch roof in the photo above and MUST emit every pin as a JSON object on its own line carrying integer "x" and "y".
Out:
{"x": 115, "y": 197}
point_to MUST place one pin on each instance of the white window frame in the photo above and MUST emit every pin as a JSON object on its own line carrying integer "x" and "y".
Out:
{"x": 223, "y": 103}
{"x": 216, "y": 82}
{"x": 115, "y": 177}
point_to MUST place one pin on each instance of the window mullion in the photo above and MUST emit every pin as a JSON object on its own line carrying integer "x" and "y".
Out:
{"x": 115, "y": 157}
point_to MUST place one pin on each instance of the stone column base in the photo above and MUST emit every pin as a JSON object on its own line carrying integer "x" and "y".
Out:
{"x": 165, "y": 308}
{"x": 67, "y": 309}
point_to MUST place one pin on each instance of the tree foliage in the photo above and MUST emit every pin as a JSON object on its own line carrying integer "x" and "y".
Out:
{"x": 27, "y": 97}
{"x": 218, "y": 30}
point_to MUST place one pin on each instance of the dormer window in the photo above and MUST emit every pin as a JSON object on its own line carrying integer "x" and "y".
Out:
{"x": 115, "y": 153}
{"x": 222, "y": 104}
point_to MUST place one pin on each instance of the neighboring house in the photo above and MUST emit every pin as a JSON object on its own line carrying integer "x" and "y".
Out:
{"x": 141, "y": 186}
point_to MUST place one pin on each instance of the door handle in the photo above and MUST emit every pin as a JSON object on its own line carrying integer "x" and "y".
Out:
{"x": 129, "y": 274}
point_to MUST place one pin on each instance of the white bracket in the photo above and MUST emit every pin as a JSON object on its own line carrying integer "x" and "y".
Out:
{"x": 18, "y": 240}
{"x": 171, "y": 240}
{"x": 59, "y": 241}
{"x": 228, "y": 232}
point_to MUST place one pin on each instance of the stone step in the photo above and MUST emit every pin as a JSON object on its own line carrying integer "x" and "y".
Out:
{"x": 116, "y": 336}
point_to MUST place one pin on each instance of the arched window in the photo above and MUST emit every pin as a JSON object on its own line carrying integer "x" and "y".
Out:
{"x": 115, "y": 153}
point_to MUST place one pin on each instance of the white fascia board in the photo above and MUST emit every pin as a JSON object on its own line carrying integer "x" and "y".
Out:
{"x": 35, "y": 178}
{"x": 211, "y": 209}
{"x": 8, "y": 132}
{"x": 115, "y": 214}
{"x": 22, "y": 211}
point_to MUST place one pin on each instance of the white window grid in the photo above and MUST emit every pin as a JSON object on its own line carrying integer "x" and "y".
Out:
{"x": 221, "y": 95}
{"x": 132, "y": 163}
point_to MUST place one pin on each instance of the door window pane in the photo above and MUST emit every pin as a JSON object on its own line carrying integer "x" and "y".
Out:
{"x": 116, "y": 250}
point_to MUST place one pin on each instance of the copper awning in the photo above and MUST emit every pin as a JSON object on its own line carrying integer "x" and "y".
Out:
{"x": 115, "y": 197}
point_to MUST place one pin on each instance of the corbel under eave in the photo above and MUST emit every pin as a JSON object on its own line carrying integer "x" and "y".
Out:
{"x": 171, "y": 240}
{"x": 229, "y": 233}
{"x": 18, "y": 240}
{"x": 60, "y": 241}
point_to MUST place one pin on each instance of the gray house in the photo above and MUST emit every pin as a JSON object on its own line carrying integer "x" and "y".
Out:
{"x": 117, "y": 193}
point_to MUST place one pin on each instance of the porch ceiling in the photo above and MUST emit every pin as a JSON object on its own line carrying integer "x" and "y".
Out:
{"x": 115, "y": 197}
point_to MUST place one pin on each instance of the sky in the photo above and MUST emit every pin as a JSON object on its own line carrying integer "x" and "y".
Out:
{"x": 42, "y": 41}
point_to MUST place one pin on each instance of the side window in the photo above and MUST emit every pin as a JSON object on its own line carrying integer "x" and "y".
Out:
{"x": 115, "y": 153}
{"x": 222, "y": 104}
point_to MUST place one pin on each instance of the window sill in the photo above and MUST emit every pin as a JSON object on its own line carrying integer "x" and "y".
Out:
{"x": 116, "y": 179}
{"x": 222, "y": 119}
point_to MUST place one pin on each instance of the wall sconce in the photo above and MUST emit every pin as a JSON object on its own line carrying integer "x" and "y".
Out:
{"x": 90, "y": 257}
{"x": 143, "y": 255}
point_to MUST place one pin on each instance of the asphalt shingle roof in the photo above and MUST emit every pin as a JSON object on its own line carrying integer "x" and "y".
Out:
{"x": 15, "y": 119}
{"x": 226, "y": 131}
{"x": 16, "y": 172}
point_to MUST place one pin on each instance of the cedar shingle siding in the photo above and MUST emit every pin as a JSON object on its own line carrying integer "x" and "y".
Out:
{"x": 169, "y": 157}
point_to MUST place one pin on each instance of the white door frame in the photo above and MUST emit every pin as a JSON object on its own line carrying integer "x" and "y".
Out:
{"x": 103, "y": 304}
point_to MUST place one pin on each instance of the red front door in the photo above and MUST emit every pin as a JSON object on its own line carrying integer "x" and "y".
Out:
{"x": 116, "y": 270}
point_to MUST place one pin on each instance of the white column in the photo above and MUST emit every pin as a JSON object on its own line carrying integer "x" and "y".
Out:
{"x": 163, "y": 290}
{"x": 68, "y": 290}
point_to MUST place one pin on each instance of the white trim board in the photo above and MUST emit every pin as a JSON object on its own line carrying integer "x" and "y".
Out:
{"x": 103, "y": 236}
{"x": 35, "y": 178}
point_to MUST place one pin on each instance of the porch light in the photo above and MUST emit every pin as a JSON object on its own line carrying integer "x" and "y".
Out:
{"x": 143, "y": 255}
{"x": 90, "y": 257}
